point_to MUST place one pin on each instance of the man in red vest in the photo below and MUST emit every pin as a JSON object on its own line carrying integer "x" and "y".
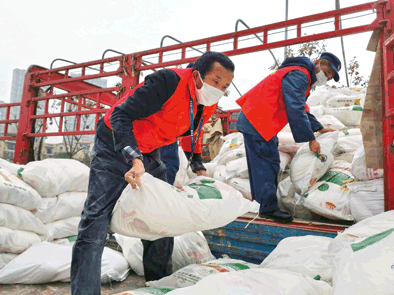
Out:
{"x": 168, "y": 104}
{"x": 277, "y": 100}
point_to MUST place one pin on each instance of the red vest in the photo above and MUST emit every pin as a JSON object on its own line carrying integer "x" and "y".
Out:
{"x": 264, "y": 105}
{"x": 171, "y": 121}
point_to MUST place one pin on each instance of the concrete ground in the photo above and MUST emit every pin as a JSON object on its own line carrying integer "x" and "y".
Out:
{"x": 132, "y": 282}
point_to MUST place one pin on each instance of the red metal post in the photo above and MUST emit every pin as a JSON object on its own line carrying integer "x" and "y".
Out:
{"x": 387, "y": 45}
{"x": 23, "y": 148}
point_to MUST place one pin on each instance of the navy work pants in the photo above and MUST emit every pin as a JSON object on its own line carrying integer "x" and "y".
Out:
{"x": 263, "y": 167}
{"x": 106, "y": 183}
{"x": 170, "y": 157}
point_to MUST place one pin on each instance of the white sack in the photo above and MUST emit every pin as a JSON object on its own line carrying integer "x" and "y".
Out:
{"x": 319, "y": 97}
{"x": 329, "y": 121}
{"x": 367, "y": 198}
{"x": 16, "y": 241}
{"x": 191, "y": 274}
{"x": 349, "y": 116}
{"x": 242, "y": 185}
{"x": 231, "y": 155}
{"x": 328, "y": 196}
{"x": 160, "y": 210}
{"x": 210, "y": 168}
{"x": 287, "y": 143}
{"x": 317, "y": 111}
{"x": 363, "y": 229}
{"x": 62, "y": 228}
{"x": 237, "y": 168}
{"x": 16, "y": 192}
{"x": 63, "y": 206}
{"x": 48, "y": 262}
{"x": 348, "y": 141}
{"x": 147, "y": 291}
{"x": 231, "y": 141}
{"x": 14, "y": 217}
{"x": 290, "y": 202}
{"x": 285, "y": 160}
{"x": 301, "y": 254}
{"x": 52, "y": 177}
{"x": 220, "y": 173}
{"x": 359, "y": 167}
{"x": 343, "y": 100}
{"x": 5, "y": 258}
{"x": 10, "y": 167}
{"x": 181, "y": 176}
{"x": 257, "y": 282}
{"x": 366, "y": 267}
{"x": 191, "y": 248}
{"x": 306, "y": 168}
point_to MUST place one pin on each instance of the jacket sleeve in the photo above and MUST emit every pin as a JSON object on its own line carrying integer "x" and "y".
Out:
{"x": 294, "y": 86}
{"x": 145, "y": 101}
{"x": 315, "y": 124}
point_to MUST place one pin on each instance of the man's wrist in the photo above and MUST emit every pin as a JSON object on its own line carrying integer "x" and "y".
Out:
{"x": 129, "y": 154}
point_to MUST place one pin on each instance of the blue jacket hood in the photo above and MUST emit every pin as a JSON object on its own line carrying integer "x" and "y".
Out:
{"x": 300, "y": 62}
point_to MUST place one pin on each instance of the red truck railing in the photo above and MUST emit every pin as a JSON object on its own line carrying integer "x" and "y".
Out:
{"x": 93, "y": 100}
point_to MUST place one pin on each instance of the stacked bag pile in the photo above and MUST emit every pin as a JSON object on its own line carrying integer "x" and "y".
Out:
{"x": 40, "y": 205}
{"x": 335, "y": 184}
{"x": 358, "y": 261}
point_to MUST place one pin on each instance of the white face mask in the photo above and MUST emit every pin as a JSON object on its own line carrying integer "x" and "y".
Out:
{"x": 208, "y": 95}
{"x": 321, "y": 79}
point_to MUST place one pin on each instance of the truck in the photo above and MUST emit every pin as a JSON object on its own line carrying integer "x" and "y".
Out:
{"x": 254, "y": 242}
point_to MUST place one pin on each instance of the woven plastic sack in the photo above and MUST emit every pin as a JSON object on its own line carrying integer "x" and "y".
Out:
{"x": 257, "y": 281}
{"x": 160, "y": 210}
{"x": 191, "y": 274}
{"x": 306, "y": 167}
{"x": 329, "y": 196}
{"x": 359, "y": 167}
{"x": 16, "y": 192}
{"x": 52, "y": 177}
{"x": 366, "y": 267}
{"x": 16, "y": 241}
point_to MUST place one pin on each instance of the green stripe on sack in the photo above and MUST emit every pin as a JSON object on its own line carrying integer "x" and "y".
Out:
{"x": 235, "y": 266}
{"x": 19, "y": 173}
{"x": 371, "y": 240}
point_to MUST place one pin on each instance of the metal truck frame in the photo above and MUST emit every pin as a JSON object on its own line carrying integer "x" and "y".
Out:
{"x": 129, "y": 66}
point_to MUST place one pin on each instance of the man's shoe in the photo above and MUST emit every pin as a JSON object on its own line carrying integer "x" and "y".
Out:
{"x": 277, "y": 216}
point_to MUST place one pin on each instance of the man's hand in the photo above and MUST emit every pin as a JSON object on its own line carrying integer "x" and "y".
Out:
{"x": 133, "y": 176}
{"x": 325, "y": 130}
{"x": 202, "y": 173}
{"x": 314, "y": 146}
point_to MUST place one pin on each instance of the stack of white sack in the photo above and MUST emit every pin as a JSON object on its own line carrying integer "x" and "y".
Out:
{"x": 49, "y": 262}
{"x": 159, "y": 209}
{"x": 63, "y": 185}
{"x": 359, "y": 167}
{"x": 367, "y": 198}
{"x": 349, "y": 140}
{"x": 19, "y": 228}
{"x": 362, "y": 257}
{"x": 345, "y": 104}
{"x": 190, "y": 248}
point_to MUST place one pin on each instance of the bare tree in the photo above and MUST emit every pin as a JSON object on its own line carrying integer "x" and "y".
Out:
{"x": 354, "y": 74}
{"x": 72, "y": 142}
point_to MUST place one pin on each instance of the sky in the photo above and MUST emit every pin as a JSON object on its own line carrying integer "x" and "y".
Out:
{"x": 37, "y": 32}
